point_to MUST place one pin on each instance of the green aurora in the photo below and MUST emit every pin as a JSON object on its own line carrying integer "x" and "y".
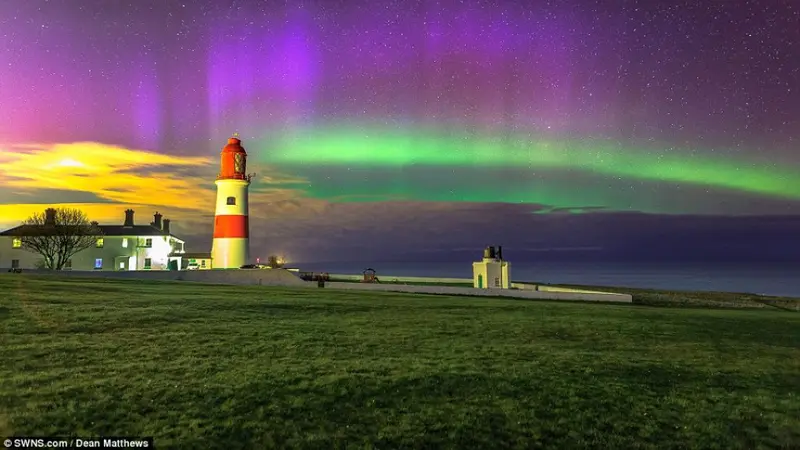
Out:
{"x": 421, "y": 165}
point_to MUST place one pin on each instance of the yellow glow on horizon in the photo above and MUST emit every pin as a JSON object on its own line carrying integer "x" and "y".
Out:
{"x": 69, "y": 162}
{"x": 124, "y": 178}
{"x": 112, "y": 173}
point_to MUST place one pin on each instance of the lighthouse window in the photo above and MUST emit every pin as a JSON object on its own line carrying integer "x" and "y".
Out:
{"x": 231, "y": 200}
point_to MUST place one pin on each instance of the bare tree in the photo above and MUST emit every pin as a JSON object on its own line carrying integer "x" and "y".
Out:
{"x": 58, "y": 234}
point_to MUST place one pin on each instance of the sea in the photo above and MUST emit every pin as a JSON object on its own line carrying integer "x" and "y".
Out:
{"x": 766, "y": 279}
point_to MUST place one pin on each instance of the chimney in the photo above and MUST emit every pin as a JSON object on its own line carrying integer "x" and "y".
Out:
{"x": 157, "y": 220}
{"x": 166, "y": 226}
{"x": 50, "y": 217}
{"x": 500, "y": 252}
{"x": 128, "y": 218}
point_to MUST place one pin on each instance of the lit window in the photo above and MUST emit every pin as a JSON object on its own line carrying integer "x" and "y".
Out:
{"x": 98, "y": 263}
{"x": 124, "y": 242}
{"x": 16, "y": 243}
{"x": 147, "y": 263}
{"x": 231, "y": 200}
{"x": 122, "y": 265}
{"x": 148, "y": 242}
{"x": 100, "y": 243}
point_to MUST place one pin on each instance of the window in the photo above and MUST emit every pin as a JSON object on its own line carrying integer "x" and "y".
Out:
{"x": 16, "y": 243}
{"x": 202, "y": 263}
{"x": 496, "y": 282}
{"x": 68, "y": 265}
{"x": 148, "y": 242}
{"x": 98, "y": 263}
{"x": 100, "y": 243}
{"x": 122, "y": 265}
{"x": 147, "y": 263}
{"x": 15, "y": 264}
{"x": 124, "y": 242}
{"x": 231, "y": 200}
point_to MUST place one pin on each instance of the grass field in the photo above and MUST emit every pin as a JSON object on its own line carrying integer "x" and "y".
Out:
{"x": 199, "y": 366}
{"x": 655, "y": 297}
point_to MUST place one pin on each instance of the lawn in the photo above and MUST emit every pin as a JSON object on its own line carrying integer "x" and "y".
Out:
{"x": 200, "y": 366}
{"x": 701, "y": 299}
{"x": 655, "y": 297}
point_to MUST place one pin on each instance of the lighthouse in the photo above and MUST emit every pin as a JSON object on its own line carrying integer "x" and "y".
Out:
{"x": 230, "y": 249}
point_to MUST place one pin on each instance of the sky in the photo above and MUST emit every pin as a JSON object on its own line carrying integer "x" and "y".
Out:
{"x": 395, "y": 130}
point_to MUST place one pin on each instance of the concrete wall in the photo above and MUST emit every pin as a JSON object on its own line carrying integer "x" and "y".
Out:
{"x": 512, "y": 293}
{"x": 281, "y": 277}
{"x": 394, "y": 279}
{"x": 267, "y": 277}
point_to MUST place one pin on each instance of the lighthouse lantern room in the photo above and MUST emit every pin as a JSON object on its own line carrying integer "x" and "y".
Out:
{"x": 230, "y": 249}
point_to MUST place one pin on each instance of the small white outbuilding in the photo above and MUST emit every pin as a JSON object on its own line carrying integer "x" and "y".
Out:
{"x": 491, "y": 272}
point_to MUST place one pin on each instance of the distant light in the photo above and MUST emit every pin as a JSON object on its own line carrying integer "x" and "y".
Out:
{"x": 69, "y": 162}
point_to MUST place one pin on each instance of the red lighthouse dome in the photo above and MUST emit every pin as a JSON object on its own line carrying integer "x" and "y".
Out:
{"x": 233, "y": 164}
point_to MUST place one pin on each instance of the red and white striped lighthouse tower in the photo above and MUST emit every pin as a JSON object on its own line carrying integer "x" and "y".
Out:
{"x": 230, "y": 249}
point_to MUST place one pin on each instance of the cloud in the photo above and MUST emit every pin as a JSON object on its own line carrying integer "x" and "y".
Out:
{"x": 381, "y": 232}
{"x": 104, "y": 180}
{"x": 109, "y": 172}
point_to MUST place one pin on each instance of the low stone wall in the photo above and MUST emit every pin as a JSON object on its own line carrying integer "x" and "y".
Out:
{"x": 542, "y": 288}
{"x": 266, "y": 277}
{"x": 281, "y": 277}
{"x": 512, "y": 293}
{"x": 394, "y": 279}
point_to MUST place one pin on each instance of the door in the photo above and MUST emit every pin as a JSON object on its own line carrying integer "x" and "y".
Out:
{"x": 480, "y": 281}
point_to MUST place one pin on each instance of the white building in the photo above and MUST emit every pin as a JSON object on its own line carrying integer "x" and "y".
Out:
{"x": 491, "y": 272}
{"x": 196, "y": 261}
{"x": 120, "y": 247}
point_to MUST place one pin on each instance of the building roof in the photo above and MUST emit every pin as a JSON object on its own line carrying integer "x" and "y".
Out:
{"x": 194, "y": 255}
{"x": 106, "y": 230}
{"x": 136, "y": 230}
